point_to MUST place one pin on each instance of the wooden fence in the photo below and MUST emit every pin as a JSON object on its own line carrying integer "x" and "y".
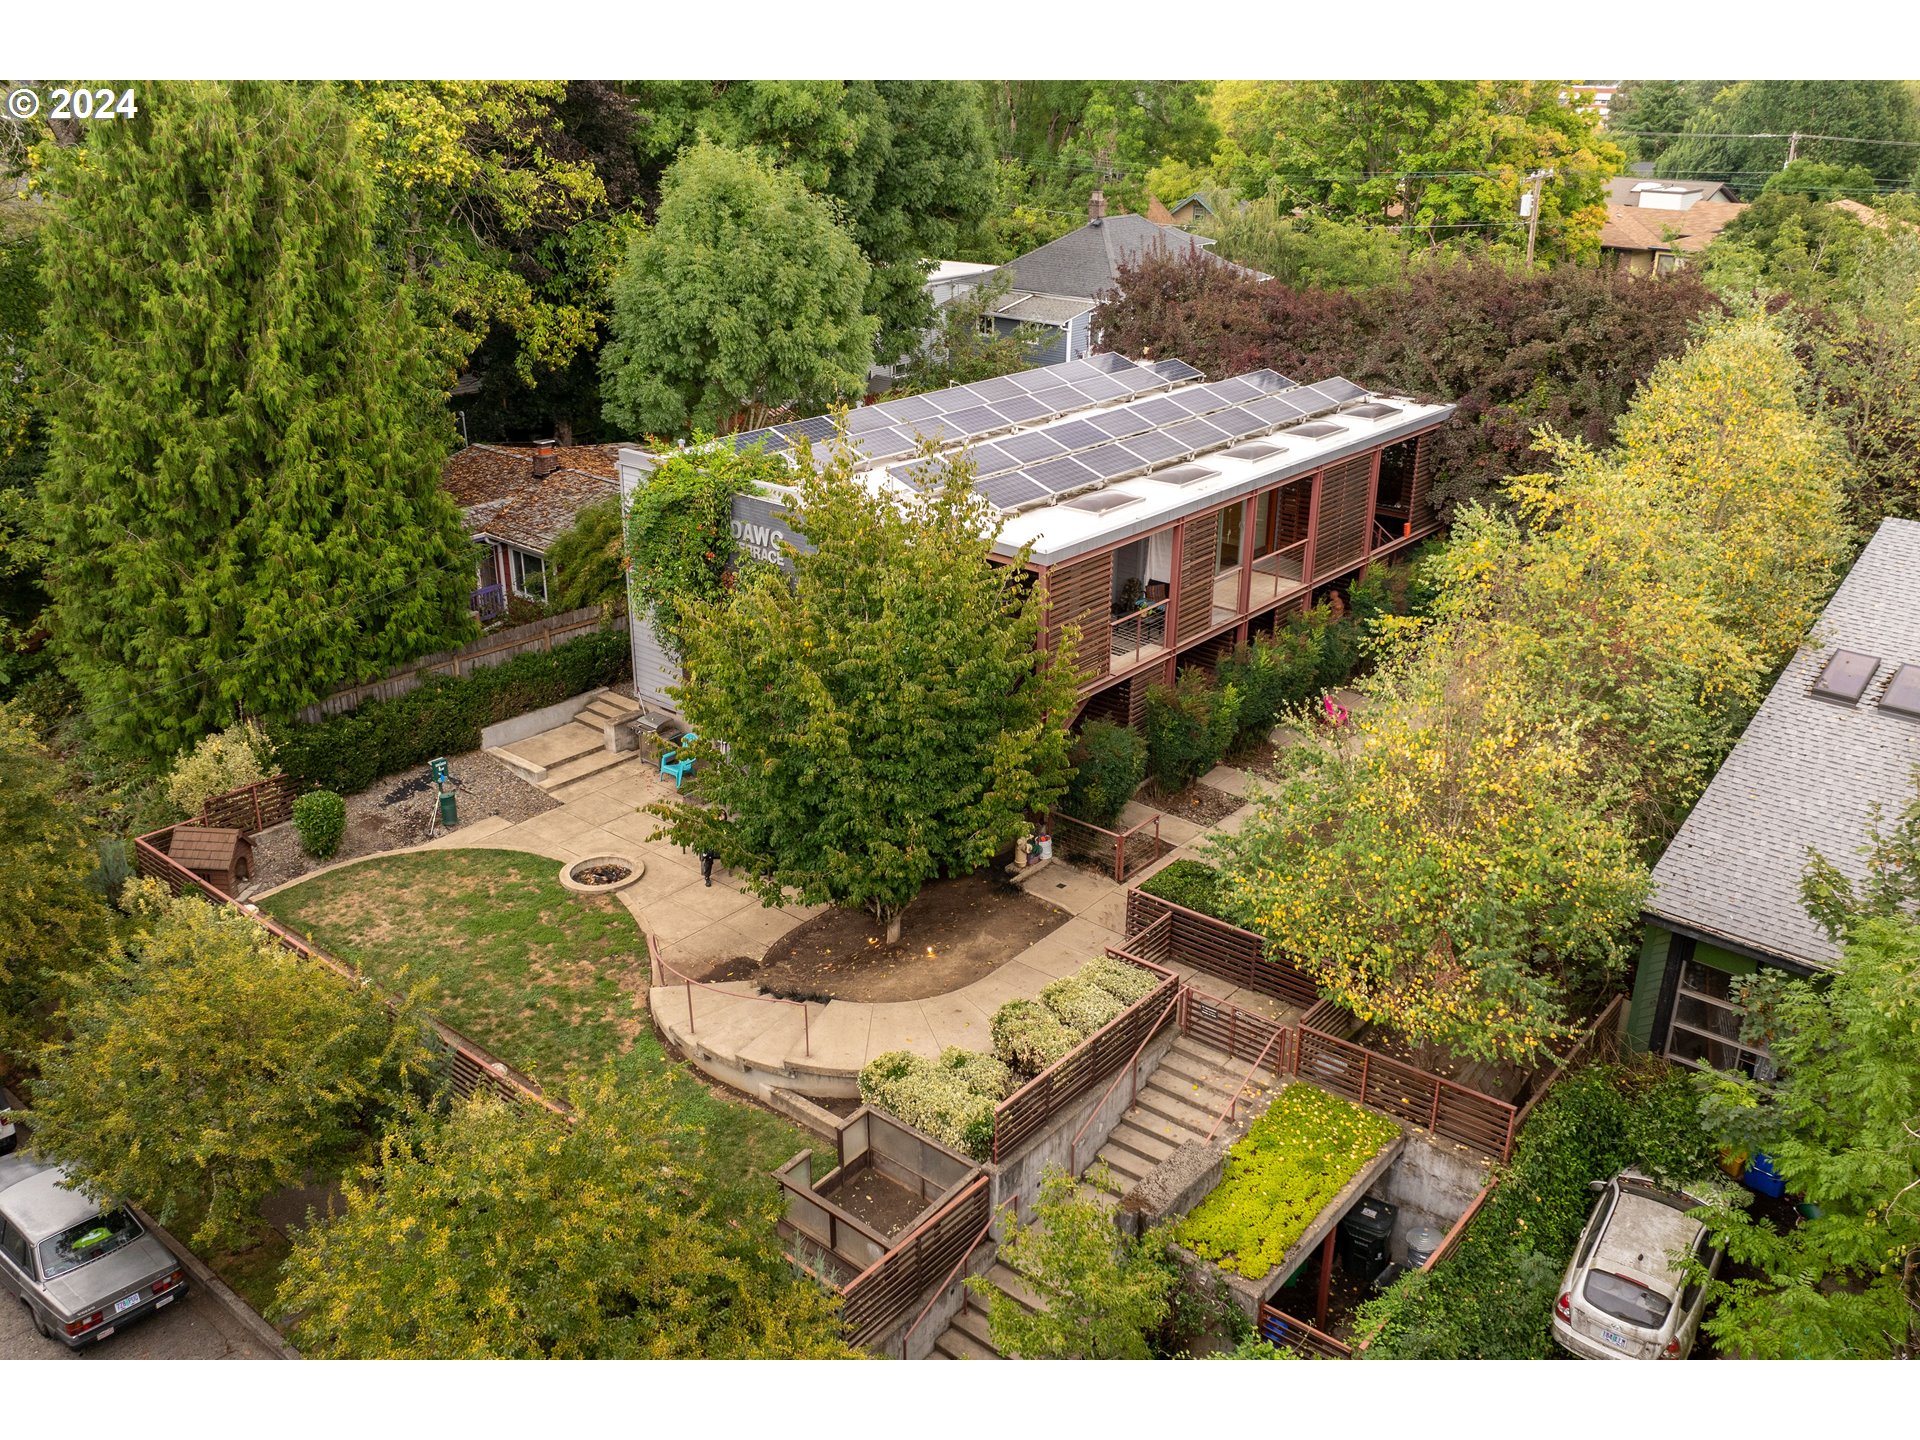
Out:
{"x": 1023, "y": 1114}
{"x": 488, "y": 650}
{"x": 470, "y": 1067}
{"x": 880, "y": 1296}
{"x": 1279, "y": 1328}
{"x": 1370, "y": 1078}
{"x": 1221, "y": 949}
{"x": 252, "y": 808}
{"x": 1238, "y": 1032}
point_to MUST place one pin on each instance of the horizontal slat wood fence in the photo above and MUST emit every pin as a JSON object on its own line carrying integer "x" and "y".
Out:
{"x": 879, "y": 1296}
{"x": 1221, "y": 949}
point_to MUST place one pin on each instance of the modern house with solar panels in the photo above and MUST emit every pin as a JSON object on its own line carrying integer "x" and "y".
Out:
{"x": 1169, "y": 517}
{"x": 1837, "y": 738}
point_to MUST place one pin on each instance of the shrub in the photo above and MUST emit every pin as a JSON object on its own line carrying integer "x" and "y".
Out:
{"x": 1273, "y": 674}
{"x": 445, "y": 716}
{"x": 1192, "y": 883}
{"x": 1079, "y": 1004}
{"x": 1339, "y": 645}
{"x": 1028, "y": 1037}
{"x": 938, "y": 1097}
{"x": 1128, "y": 984}
{"x": 1292, "y": 1161}
{"x": 1493, "y": 1297}
{"x": 1189, "y": 727}
{"x": 1112, "y": 762}
{"x": 321, "y": 818}
{"x": 236, "y": 756}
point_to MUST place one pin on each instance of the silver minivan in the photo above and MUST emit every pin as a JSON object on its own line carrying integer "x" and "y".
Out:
{"x": 83, "y": 1273}
{"x": 1627, "y": 1295}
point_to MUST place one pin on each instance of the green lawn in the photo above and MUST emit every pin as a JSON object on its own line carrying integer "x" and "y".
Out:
{"x": 548, "y": 980}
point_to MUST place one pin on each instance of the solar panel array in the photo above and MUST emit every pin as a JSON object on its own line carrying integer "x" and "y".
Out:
{"x": 1156, "y": 417}
{"x": 893, "y": 429}
{"x": 1036, "y": 467}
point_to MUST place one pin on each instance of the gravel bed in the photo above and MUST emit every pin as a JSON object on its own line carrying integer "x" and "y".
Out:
{"x": 397, "y": 811}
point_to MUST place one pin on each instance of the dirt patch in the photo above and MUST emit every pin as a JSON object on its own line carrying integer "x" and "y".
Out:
{"x": 397, "y": 811}
{"x": 1200, "y": 804}
{"x": 870, "y": 1196}
{"x": 954, "y": 932}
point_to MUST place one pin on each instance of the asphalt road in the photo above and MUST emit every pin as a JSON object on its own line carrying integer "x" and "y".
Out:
{"x": 197, "y": 1327}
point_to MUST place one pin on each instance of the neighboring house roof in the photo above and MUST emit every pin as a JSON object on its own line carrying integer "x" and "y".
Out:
{"x": 499, "y": 497}
{"x": 1865, "y": 214}
{"x": 1807, "y": 773}
{"x": 204, "y": 848}
{"x": 1086, "y": 262}
{"x": 1621, "y": 190}
{"x": 1630, "y": 227}
{"x": 1030, "y": 309}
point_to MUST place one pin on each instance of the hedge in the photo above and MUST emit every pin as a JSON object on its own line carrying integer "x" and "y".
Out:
{"x": 951, "y": 1098}
{"x": 1273, "y": 675}
{"x": 1028, "y": 1037}
{"x": 1189, "y": 726}
{"x": 1192, "y": 883}
{"x": 445, "y": 716}
{"x": 1492, "y": 1299}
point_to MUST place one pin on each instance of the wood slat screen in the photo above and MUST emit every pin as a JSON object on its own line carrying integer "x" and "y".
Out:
{"x": 1081, "y": 593}
{"x": 1342, "y": 539}
{"x": 1219, "y": 949}
{"x": 1422, "y": 495}
{"x": 880, "y": 1296}
{"x": 1193, "y": 603}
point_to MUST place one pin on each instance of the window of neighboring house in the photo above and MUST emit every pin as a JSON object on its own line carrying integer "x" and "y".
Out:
{"x": 1665, "y": 262}
{"x": 1705, "y": 1031}
{"x": 529, "y": 575}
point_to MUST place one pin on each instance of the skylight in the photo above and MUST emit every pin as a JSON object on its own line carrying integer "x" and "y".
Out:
{"x": 1845, "y": 676}
{"x": 1902, "y": 696}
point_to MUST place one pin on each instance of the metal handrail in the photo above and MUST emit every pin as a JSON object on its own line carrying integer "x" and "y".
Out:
{"x": 1131, "y": 1067}
{"x": 1268, "y": 564}
{"x": 655, "y": 958}
{"x": 958, "y": 1266}
{"x": 1233, "y": 1101}
{"x": 1138, "y": 619}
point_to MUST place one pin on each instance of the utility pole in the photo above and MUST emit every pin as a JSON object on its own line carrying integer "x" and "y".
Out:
{"x": 1530, "y": 207}
{"x": 1793, "y": 148}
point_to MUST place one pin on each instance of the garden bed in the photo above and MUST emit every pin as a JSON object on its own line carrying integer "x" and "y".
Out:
{"x": 1291, "y": 1164}
{"x": 954, "y": 933}
{"x": 398, "y": 811}
{"x": 1198, "y": 804}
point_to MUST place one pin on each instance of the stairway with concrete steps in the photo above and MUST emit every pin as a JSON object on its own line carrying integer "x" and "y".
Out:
{"x": 1180, "y": 1102}
{"x": 969, "y": 1337}
{"x": 575, "y": 750}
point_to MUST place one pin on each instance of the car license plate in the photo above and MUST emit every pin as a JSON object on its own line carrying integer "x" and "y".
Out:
{"x": 122, "y": 1306}
{"x": 1614, "y": 1337}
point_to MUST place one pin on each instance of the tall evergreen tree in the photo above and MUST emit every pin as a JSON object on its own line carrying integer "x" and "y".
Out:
{"x": 242, "y": 490}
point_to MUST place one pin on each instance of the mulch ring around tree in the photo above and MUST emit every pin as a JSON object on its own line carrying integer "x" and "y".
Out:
{"x": 954, "y": 932}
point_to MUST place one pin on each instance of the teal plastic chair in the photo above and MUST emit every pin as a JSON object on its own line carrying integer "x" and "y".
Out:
{"x": 672, "y": 764}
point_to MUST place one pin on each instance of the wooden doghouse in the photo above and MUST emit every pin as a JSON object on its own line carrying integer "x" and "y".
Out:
{"x": 221, "y": 857}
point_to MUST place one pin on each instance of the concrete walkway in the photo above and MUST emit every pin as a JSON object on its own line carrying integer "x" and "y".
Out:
{"x": 751, "y": 1041}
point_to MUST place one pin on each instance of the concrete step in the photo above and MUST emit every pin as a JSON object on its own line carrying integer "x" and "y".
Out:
{"x": 1208, "y": 1055}
{"x": 1126, "y": 1166}
{"x": 957, "y": 1344}
{"x": 580, "y": 768}
{"x": 972, "y": 1322}
{"x": 1148, "y": 1146}
{"x": 1105, "y": 1199}
{"x": 624, "y": 703}
{"x": 1208, "y": 1091}
{"x": 1182, "y": 1109}
{"x": 1010, "y": 1283}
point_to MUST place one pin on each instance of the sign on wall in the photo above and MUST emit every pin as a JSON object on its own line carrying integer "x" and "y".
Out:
{"x": 761, "y": 527}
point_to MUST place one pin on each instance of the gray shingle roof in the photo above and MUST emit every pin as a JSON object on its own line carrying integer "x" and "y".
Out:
{"x": 1806, "y": 773}
{"x": 1085, "y": 261}
{"x": 1042, "y": 309}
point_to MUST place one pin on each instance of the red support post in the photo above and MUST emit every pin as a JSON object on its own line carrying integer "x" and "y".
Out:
{"x": 1326, "y": 1279}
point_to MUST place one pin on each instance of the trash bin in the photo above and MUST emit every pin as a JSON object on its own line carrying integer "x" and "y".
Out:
{"x": 1422, "y": 1241}
{"x": 1366, "y": 1238}
{"x": 1761, "y": 1178}
{"x": 449, "y": 813}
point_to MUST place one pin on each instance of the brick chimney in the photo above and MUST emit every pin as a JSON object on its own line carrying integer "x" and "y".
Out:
{"x": 545, "y": 462}
{"x": 1096, "y": 207}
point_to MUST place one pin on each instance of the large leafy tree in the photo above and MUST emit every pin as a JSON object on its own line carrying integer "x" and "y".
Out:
{"x": 1840, "y": 1123}
{"x": 51, "y": 923}
{"x": 1863, "y": 111}
{"x": 963, "y": 346}
{"x": 1658, "y": 110}
{"x": 743, "y": 299}
{"x": 23, "y": 550}
{"x": 205, "y": 1067}
{"x": 509, "y": 1234}
{"x": 1070, "y": 137}
{"x": 883, "y": 718}
{"x": 1563, "y": 347}
{"x": 242, "y": 490}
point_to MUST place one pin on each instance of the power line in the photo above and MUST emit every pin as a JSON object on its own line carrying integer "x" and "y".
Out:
{"x": 1767, "y": 135}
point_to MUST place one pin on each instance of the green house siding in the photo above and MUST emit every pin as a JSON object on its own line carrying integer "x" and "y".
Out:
{"x": 1726, "y": 960}
{"x": 1654, "y": 947}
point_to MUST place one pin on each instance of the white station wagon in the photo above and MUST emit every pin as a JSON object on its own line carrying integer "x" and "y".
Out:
{"x": 1626, "y": 1296}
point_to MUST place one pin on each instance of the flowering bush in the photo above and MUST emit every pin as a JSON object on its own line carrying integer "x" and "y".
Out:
{"x": 938, "y": 1097}
{"x": 1028, "y": 1037}
{"x": 1292, "y": 1162}
{"x": 236, "y": 756}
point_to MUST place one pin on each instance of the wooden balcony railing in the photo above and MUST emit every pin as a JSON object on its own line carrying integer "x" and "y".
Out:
{"x": 1138, "y": 636}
